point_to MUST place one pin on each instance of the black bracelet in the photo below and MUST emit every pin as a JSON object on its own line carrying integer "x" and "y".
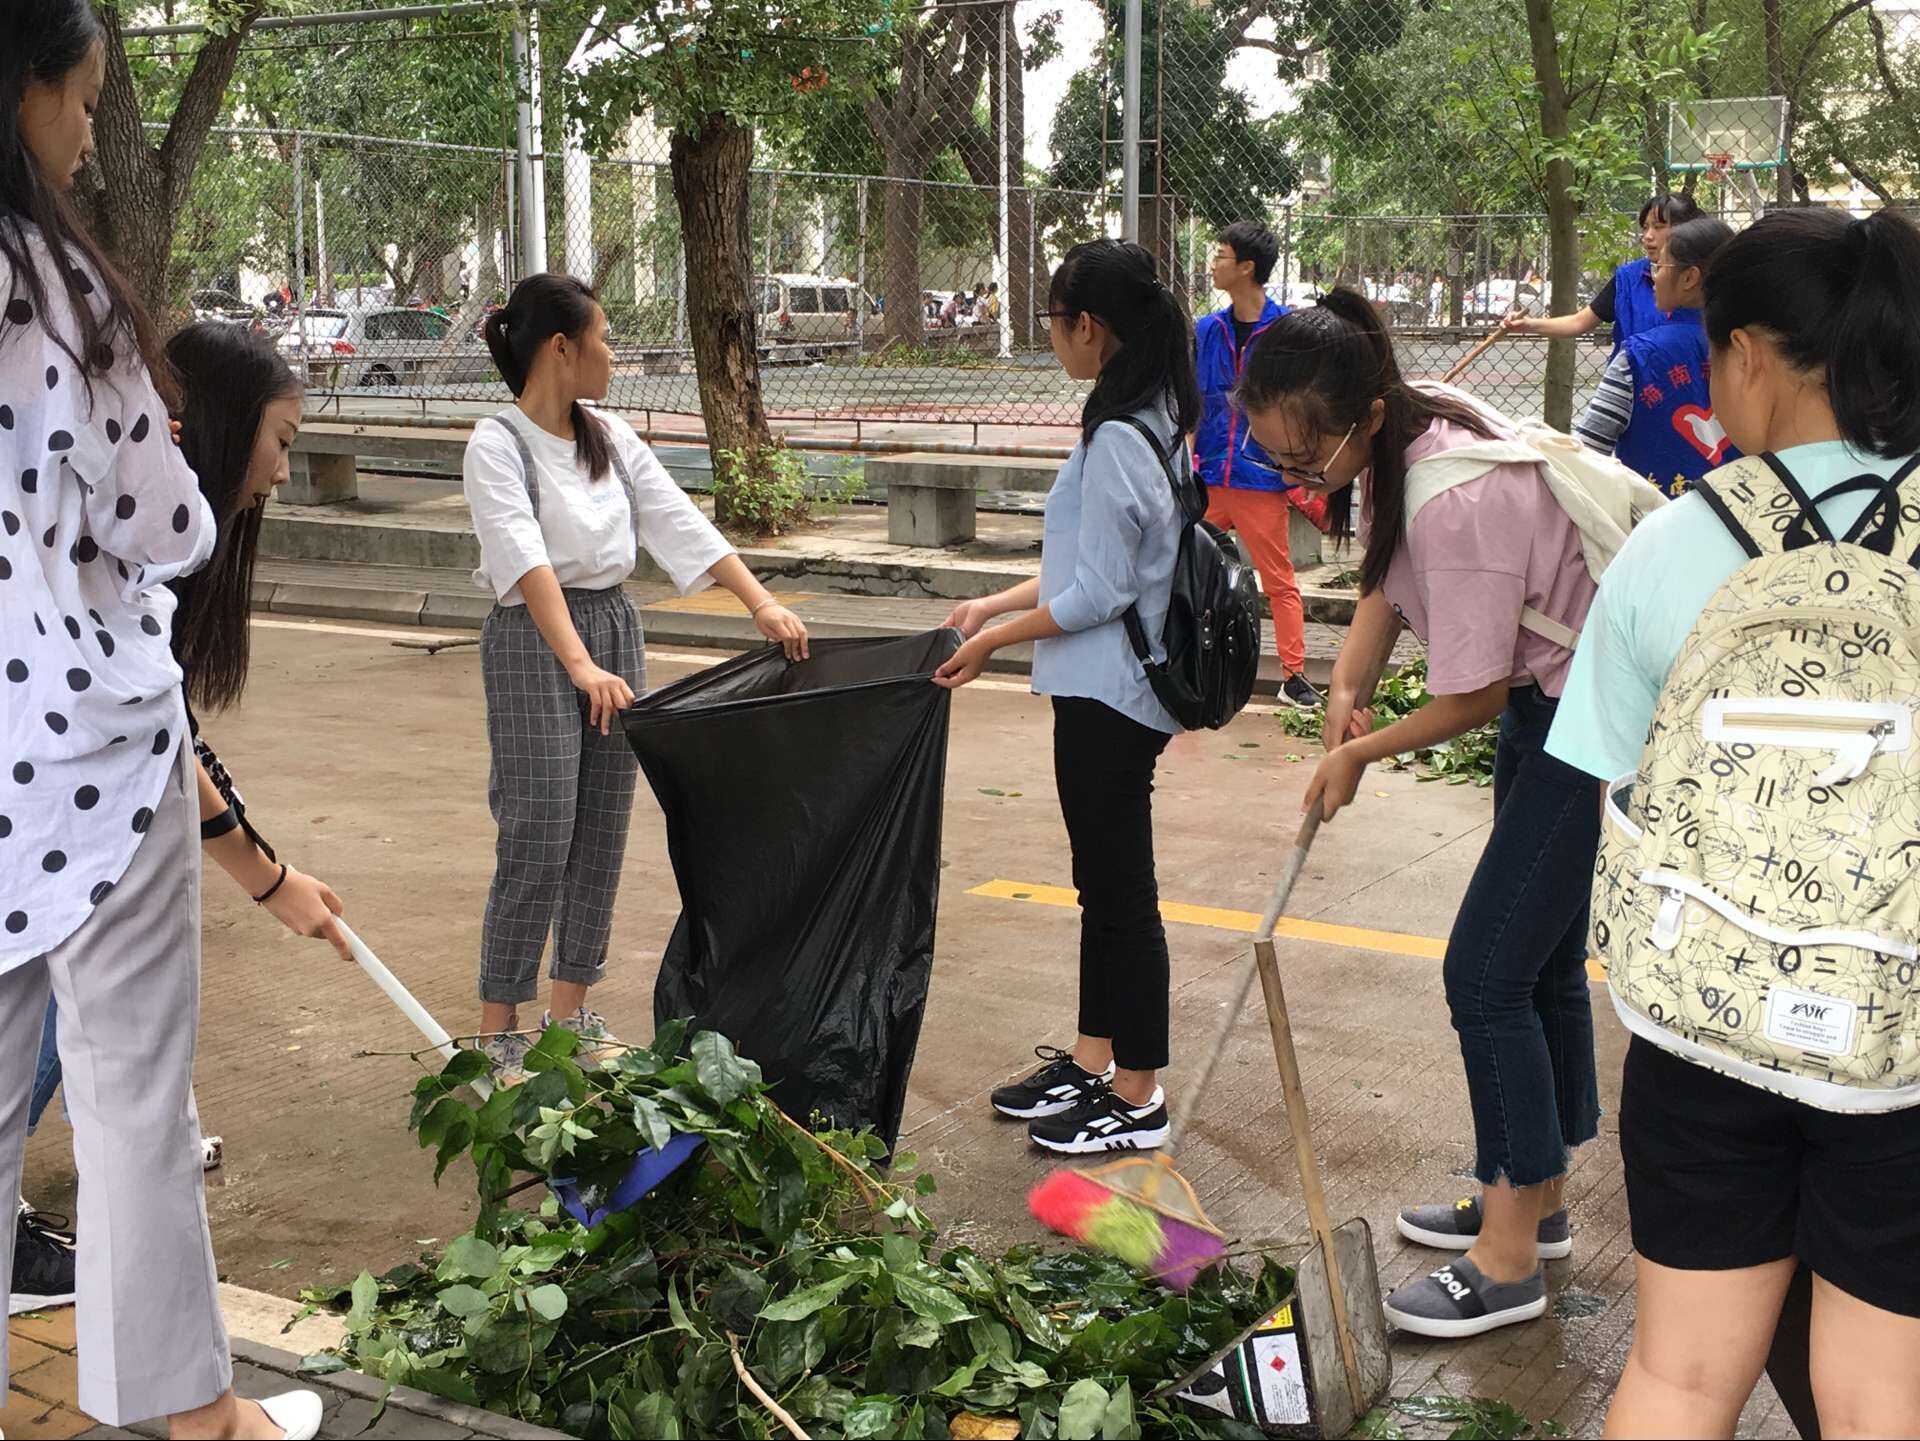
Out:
{"x": 214, "y": 827}
{"x": 267, "y": 895}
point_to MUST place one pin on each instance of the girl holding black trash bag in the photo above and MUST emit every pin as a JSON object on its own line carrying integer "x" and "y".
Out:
{"x": 564, "y": 497}
{"x": 1111, "y": 533}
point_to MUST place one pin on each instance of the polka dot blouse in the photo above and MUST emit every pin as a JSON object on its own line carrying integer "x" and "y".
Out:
{"x": 97, "y": 512}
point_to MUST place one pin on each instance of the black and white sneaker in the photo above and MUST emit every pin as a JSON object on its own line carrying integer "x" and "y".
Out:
{"x": 1300, "y": 693}
{"x": 1104, "y": 1122}
{"x": 1059, "y": 1085}
{"x": 42, "y": 1263}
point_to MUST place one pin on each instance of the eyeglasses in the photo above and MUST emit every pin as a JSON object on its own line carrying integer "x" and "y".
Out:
{"x": 1046, "y": 317}
{"x": 1317, "y": 477}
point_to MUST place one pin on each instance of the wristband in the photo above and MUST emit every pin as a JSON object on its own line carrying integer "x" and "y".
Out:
{"x": 214, "y": 827}
{"x": 268, "y": 893}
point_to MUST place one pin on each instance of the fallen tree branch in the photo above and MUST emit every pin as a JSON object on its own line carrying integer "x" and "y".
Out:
{"x": 774, "y": 1407}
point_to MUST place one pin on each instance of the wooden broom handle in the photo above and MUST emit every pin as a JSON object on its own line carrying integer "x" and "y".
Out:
{"x": 1295, "y": 1096}
{"x": 1460, "y": 367}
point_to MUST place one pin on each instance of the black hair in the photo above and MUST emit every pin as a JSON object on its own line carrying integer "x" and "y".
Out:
{"x": 1839, "y": 298}
{"x": 52, "y": 39}
{"x": 541, "y": 307}
{"x": 1696, "y": 242}
{"x": 1250, "y": 240}
{"x": 1330, "y": 361}
{"x": 1115, "y": 282}
{"x": 1673, "y": 209}
{"x": 226, "y": 376}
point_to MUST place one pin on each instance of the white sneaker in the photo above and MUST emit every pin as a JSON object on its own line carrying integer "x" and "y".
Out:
{"x": 597, "y": 1042}
{"x": 297, "y": 1413}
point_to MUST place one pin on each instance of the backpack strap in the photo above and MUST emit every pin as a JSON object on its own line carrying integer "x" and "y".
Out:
{"x": 528, "y": 475}
{"x": 1807, "y": 525}
{"x": 1718, "y": 505}
{"x": 1889, "y": 522}
{"x": 531, "y": 478}
{"x": 1130, "y": 618}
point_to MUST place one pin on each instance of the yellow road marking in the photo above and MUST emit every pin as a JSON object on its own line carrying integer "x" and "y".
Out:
{"x": 1358, "y": 938}
{"x": 719, "y": 602}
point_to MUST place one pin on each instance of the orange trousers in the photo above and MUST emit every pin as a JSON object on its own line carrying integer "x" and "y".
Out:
{"x": 1261, "y": 518}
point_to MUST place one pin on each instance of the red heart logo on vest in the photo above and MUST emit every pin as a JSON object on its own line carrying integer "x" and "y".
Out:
{"x": 1701, "y": 431}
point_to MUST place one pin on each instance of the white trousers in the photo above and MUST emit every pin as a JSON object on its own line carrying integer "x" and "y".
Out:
{"x": 152, "y": 1341}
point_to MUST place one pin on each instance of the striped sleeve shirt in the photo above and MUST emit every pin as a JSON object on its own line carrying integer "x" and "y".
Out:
{"x": 1610, "y": 409}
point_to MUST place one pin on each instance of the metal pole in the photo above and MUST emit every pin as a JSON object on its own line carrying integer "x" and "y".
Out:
{"x": 1001, "y": 277}
{"x": 1033, "y": 229}
{"x": 860, "y": 290}
{"x": 1130, "y": 128}
{"x": 680, "y": 302}
{"x": 300, "y": 237}
{"x": 323, "y": 277}
{"x": 532, "y": 160}
{"x": 1286, "y": 256}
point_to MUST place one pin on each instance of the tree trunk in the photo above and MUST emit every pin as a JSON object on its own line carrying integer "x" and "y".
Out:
{"x": 1777, "y": 85}
{"x": 133, "y": 193}
{"x": 710, "y": 171}
{"x": 1563, "y": 230}
{"x": 906, "y": 162}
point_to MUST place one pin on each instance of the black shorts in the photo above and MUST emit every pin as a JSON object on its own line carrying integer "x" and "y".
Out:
{"x": 1722, "y": 1175}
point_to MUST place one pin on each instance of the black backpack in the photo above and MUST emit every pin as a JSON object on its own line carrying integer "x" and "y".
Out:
{"x": 1212, "y": 634}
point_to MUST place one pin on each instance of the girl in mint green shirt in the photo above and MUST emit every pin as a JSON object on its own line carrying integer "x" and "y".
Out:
{"x": 1813, "y": 324}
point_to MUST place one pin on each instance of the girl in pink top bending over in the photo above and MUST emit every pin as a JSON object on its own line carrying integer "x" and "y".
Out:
{"x": 1478, "y": 573}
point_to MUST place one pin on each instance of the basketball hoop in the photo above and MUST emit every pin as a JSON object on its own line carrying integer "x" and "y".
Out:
{"x": 1719, "y": 165}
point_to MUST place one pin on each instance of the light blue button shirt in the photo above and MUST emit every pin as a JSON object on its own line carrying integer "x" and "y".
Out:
{"x": 1111, "y": 533}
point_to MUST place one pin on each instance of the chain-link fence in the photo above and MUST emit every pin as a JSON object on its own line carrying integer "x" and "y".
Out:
{"x": 902, "y": 230}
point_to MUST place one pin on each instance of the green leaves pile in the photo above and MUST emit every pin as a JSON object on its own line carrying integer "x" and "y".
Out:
{"x": 790, "y": 1254}
{"x": 1464, "y": 760}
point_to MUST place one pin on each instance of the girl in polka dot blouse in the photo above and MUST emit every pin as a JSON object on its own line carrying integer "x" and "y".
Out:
{"x": 99, "y": 820}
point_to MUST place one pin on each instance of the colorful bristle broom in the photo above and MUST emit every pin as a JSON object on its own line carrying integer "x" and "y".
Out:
{"x": 1141, "y": 1209}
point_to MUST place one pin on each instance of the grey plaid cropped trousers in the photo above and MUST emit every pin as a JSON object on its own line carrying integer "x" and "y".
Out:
{"x": 561, "y": 794}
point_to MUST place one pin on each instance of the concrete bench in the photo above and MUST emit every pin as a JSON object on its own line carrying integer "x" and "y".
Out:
{"x": 931, "y": 497}
{"x": 323, "y": 467}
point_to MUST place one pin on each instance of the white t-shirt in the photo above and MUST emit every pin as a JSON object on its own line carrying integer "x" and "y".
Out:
{"x": 98, "y": 510}
{"x": 585, "y": 530}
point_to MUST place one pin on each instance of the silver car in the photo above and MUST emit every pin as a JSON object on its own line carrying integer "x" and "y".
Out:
{"x": 383, "y": 349}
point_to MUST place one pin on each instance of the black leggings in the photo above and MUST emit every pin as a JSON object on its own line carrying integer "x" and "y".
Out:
{"x": 1103, "y": 769}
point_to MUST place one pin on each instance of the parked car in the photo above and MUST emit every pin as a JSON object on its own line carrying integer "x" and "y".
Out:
{"x": 384, "y": 348}
{"x": 814, "y": 313}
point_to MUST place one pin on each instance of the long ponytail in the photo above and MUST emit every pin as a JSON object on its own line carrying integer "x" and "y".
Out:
{"x": 1329, "y": 362}
{"x": 541, "y": 307}
{"x": 1115, "y": 282}
{"x": 1840, "y": 298}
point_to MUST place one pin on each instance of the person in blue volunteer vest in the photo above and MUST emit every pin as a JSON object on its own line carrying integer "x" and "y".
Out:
{"x": 1652, "y": 411}
{"x": 1627, "y": 301}
{"x": 1245, "y": 490}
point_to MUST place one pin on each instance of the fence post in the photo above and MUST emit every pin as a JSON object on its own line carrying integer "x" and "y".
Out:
{"x": 532, "y": 160}
{"x": 300, "y": 237}
{"x": 1130, "y": 128}
{"x": 1001, "y": 274}
{"x": 1286, "y": 251}
{"x": 860, "y": 289}
{"x": 1033, "y": 229}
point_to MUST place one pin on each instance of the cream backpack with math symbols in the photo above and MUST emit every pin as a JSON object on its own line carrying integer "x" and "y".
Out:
{"x": 1757, "y": 902}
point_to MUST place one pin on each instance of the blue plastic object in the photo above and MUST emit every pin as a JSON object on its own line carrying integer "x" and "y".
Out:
{"x": 649, "y": 1169}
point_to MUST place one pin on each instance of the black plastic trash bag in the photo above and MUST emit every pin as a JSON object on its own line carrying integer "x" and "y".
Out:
{"x": 803, "y": 818}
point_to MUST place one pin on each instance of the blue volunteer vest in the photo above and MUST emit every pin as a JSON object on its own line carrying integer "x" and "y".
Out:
{"x": 1633, "y": 307}
{"x": 1672, "y": 438}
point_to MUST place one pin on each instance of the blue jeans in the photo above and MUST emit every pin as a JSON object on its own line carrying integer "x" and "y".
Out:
{"x": 1516, "y": 967}
{"x": 46, "y": 1071}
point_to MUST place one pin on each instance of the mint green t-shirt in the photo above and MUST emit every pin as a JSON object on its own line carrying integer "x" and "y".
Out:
{"x": 1650, "y": 598}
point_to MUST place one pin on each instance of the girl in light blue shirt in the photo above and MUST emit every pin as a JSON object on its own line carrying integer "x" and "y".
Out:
{"x": 1111, "y": 532}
